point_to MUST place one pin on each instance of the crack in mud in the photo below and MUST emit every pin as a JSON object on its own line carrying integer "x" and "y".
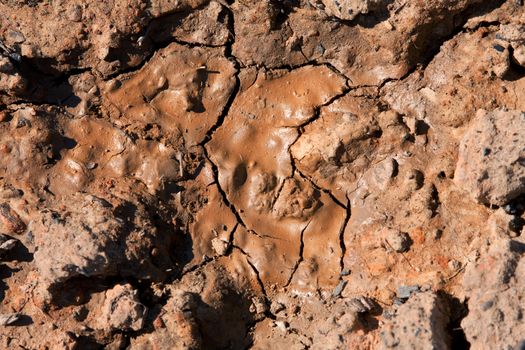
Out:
{"x": 301, "y": 257}
{"x": 342, "y": 235}
{"x": 222, "y": 192}
{"x": 410, "y": 212}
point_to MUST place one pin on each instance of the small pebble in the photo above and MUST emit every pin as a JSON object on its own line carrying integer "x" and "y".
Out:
{"x": 260, "y": 305}
{"x": 362, "y": 304}
{"x": 7, "y": 245}
{"x": 513, "y": 208}
{"x": 74, "y": 13}
{"x": 339, "y": 289}
{"x": 487, "y": 305}
{"x": 281, "y": 325}
{"x": 454, "y": 265}
{"x": 399, "y": 241}
{"x": 398, "y": 301}
{"x": 345, "y": 272}
{"x": 404, "y": 292}
{"x": 220, "y": 246}
{"x": 276, "y": 307}
{"x": 16, "y": 36}
{"x": 15, "y": 57}
{"x": 9, "y": 319}
{"x": 498, "y": 47}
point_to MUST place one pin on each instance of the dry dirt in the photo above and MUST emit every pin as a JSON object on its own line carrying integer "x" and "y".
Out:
{"x": 262, "y": 174}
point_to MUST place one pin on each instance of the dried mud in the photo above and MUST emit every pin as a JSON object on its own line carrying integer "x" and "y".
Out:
{"x": 227, "y": 174}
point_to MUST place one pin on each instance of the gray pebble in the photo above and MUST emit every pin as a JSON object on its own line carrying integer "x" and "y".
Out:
{"x": 16, "y": 36}
{"x": 9, "y": 319}
{"x": 404, "y": 292}
{"x": 339, "y": 289}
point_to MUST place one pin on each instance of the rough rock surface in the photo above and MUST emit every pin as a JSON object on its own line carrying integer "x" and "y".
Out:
{"x": 92, "y": 242}
{"x": 420, "y": 323}
{"x": 491, "y": 159}
{"x": 494, "y": 284}
{"x": 349, "y": 9}
{"x": 122, "y": 309}
{"x": 267, "y": 174}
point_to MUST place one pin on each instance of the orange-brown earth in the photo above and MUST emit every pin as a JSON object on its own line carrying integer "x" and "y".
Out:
{"x": 266, "y": 174}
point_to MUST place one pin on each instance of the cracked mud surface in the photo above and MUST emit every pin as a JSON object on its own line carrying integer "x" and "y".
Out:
{"x": 297, "y": 174}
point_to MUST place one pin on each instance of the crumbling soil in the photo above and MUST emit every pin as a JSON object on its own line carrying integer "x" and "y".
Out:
{"x": 262, "y": 174}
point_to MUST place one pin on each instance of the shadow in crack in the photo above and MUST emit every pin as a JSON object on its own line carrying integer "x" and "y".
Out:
{"x": 373, "y": 18}
{"x": 18, "y": 253}
{"x": 88, "y": 343}
{"x": 281, "y": 9}
{"x": 516, "y": 71}
{"x": 225, "y": 323}
{"x": 45, "y": 84}
{"x": 23, "y": 320}
{"x": 5, "y": 272}
{"x": 430, "y": 36}
{"x": 458, "y": 311}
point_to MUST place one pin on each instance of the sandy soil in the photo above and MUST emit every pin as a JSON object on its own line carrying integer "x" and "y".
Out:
{"x": 262, "y": 174}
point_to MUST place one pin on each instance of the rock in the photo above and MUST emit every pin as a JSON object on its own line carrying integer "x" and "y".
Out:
{"x": 259, "y": 305}
{"x": 15, "y": 36}
{"x": 491, "y": 160}
{"x": 404, "y": 292}
{"x": 207, "y": 309}
{"x": 10, "y": 80}
{"x": 74, "y": 13}
{"x": 6, "y": 244}
{"x": 339, "y": 288}
{"x": 220, "y": 246}
{"x": 420, "y": 323}
{"x": 93, "y": 241}
{"x": 383, "y": 172}
{"x": 177, "y": 326}
{"x": 415, "y": 179}
{"x": 399, "y": 241}
{"x": 362, "y": 304}
{"x": 501, "y": 224}
{"x": 494, "y": 285}
{"x": 10, "y": 222}
{"x": 9, "y": 319}
{"x": 514, "y": 35}
{"x": 348, "y": 9}
{"x": 276, "y": 307}
{"x": 122, "y": 310}
{"x": 454, "y": 265}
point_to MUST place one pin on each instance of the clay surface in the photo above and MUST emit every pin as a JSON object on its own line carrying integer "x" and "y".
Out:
{"x": 262, "y": 174}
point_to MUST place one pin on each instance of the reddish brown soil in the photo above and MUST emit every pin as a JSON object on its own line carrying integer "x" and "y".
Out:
{"x": 295, "y": 174}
